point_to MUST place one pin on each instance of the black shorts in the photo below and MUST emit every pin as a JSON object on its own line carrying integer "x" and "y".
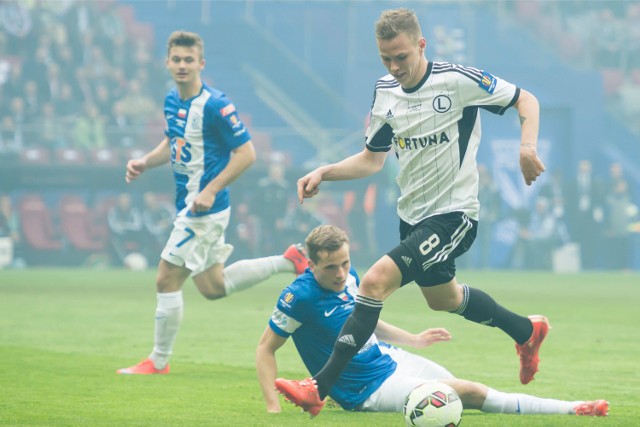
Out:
{"x": 427, "y": 251}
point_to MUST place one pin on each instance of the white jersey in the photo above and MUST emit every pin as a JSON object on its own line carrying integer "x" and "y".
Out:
{"x": 434, "y": 129}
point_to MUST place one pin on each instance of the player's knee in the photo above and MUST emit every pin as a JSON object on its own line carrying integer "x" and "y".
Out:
{"x": 471, "y": 394}
{"x": 375, "y": 286}
{"x": 165, "y": 284}
{"x": 213, "y": 293}
{"x": 212, "y": 287}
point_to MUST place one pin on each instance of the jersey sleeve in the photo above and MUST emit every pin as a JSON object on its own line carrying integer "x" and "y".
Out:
{"x": 288, "y": 314}
{"x": 379, "y": 133}
{"x": 481, "y": 89}
{"x": 227, "y": 123}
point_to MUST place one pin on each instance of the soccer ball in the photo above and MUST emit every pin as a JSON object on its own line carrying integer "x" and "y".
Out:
{"x": 135, "y": 261}
{"x": 432, "y": 404}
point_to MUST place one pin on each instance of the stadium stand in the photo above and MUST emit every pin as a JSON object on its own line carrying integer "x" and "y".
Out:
{"x": 302, "y": 90}
{"x": 39, "y": 229}
{"x": 79, "y": 225}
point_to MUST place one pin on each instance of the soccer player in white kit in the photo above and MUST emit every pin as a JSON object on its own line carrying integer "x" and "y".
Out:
{"x": 428, "y": 112}
{"x": 313, "y": 309}
{"x": 208, "y": 147}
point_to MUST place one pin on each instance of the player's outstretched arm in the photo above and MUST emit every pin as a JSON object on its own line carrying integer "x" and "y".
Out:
{"x": 529, "y": 113}
{"x": 360, "y": 165}
{"x": 267, "y": 367}
{"x": 398, "y": 336}
{"x": 156, "y": 157}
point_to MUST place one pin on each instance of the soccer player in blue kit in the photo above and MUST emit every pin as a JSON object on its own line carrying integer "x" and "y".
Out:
{"x": 428, "y": 113}
{"x": 313, "y": 309}
{"x": 208, "y": 147}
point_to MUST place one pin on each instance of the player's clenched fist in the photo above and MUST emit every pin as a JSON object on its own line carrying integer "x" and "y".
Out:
{"x": 134, "y": 168}
{"x": 530, "y": 164}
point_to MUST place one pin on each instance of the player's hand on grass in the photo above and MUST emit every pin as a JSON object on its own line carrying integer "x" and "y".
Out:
{"x": 530, "y": 164}
{"x": 309, "y": 185}
{"x": 274, "y": 408}
{"x": 431, "y": 336}
{"x": 134, "y": 168}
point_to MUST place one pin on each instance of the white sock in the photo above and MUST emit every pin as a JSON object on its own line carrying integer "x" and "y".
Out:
{"x": 169, "y": 311}
{"x": 516, "y": 403}
{"x": 246, "y": 273}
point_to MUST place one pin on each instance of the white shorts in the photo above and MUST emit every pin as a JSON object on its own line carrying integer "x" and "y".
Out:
{"x": 412, "y": 370}
{"x": 197, "y": 243}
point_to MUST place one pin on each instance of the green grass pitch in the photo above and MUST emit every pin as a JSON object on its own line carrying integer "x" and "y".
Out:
{"x": 63, "y": 333}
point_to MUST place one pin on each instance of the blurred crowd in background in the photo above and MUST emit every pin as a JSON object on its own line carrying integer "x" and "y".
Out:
{"x": 76, "y": 75}
{"x": 600, "y": 34}
{"x": 80, "y": 84}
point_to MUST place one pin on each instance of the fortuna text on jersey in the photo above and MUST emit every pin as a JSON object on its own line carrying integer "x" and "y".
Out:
{"x": 411, "y": 143}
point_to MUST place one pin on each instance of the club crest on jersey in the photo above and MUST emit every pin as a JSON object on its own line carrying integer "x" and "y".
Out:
{"x": 182, "y": 113}
{"x": 442, "y": 103}
{"x": 488, "y": 82}
{"x": 195, "y": 122}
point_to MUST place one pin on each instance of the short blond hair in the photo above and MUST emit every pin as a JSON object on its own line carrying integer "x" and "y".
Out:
{"x": 324, "y": 238}
{"x": 396, "y": 21}
{"x": 186, "y": 39}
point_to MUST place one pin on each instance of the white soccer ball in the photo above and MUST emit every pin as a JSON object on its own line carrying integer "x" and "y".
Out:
{"x": 135, "y": 261}
{"x": 432, "y": 404}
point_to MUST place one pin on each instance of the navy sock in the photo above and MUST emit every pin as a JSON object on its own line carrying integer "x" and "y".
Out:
{"x": 354, "y": 334}
{"x": 479, "y": 307}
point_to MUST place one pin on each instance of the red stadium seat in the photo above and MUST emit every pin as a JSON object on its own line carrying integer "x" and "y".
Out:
{"x": 78, "y": 225}
{"x": 37, "y": 225}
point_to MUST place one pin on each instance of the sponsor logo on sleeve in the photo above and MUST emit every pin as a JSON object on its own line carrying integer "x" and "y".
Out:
{"x": 225, "y": 111}
{"x": 287, "y": 299}
{"x": 235, "y": 122}
{"x": 488, "y": 82}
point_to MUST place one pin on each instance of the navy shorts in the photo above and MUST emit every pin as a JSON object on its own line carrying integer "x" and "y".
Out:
{"x": 427, "y": 251}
